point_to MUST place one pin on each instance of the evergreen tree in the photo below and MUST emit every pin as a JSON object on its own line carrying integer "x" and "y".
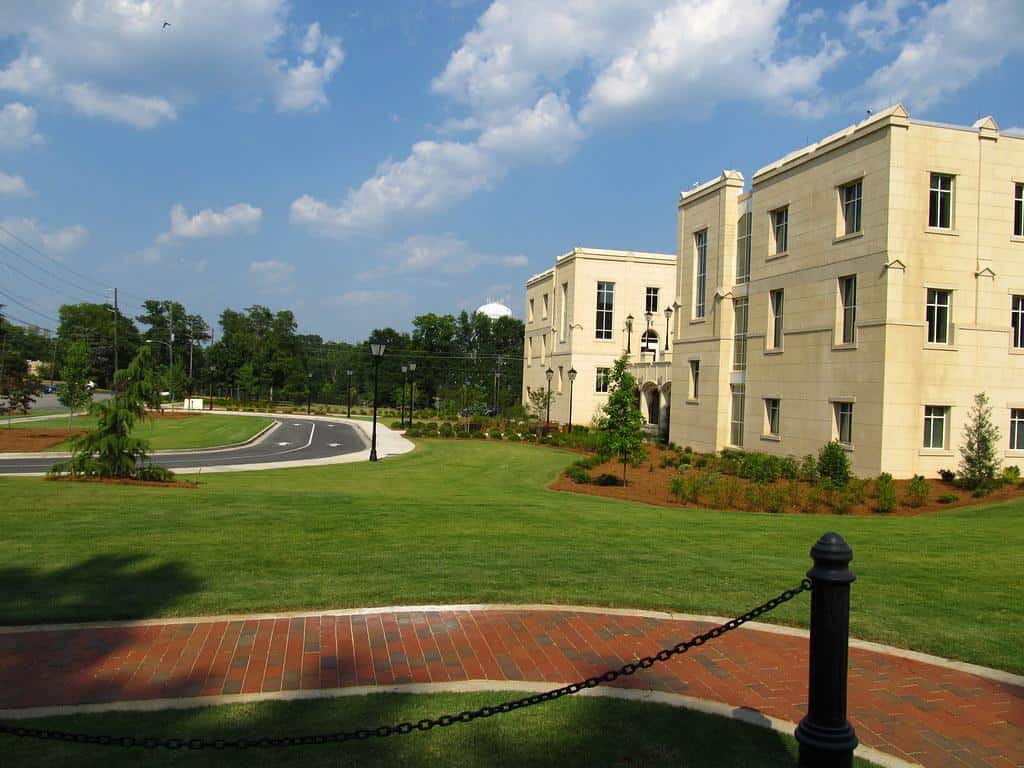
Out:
{"x": 979, "y": 458}
{"x": 622, "y": 426}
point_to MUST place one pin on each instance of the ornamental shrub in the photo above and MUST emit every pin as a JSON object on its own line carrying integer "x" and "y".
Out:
{"x": 808, "y": 471}
{"x": 917, "y": 492}
{"x": 947, "y": 475}
{"x": 834, "y": 464}
{"x": 446, "y": 429}
{"x": 885, "y": 490}
{"x": 948, "y": 498}
{"x": 789, "y": 468}
{"x": 725, "y": 492}
{"x": 607, "y": 479}
{"x": 1011, "y": 474}
{"x": 577, "y": 474}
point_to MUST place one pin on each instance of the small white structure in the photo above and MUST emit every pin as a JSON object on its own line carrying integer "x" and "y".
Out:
{"x": 494, "y": 310}
{"x": 194, "y": 404}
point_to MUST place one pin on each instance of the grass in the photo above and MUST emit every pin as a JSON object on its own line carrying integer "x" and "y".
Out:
{"x": 199, "y": 431}
{"x": 581, "y": 731}
{"x": 473, "y": 522}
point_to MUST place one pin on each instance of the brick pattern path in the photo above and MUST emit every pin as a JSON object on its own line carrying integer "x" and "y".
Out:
{"x": 913, "y": 710}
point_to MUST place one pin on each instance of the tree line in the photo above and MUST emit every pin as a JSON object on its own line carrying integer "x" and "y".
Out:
{"x": 257, "y": 354}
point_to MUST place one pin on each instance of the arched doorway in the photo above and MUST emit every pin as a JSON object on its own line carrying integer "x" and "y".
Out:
{"x": 652, "y": 403}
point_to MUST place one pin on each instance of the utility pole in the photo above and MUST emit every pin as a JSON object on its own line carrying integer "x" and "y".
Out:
{"x": 117, "y": 319}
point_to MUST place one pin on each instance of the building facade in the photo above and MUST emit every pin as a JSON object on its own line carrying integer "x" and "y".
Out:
{"x": 863, "y": 289}
{"x": 585, "y": 312}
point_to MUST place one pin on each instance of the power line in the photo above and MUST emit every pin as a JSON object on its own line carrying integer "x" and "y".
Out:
{"x": 27, "y": 260}
{"x": 31, "y": 309}
{"x": 31, "y": 279}
{"x": 18, "y": 321}
{"x": 47, "y": 256}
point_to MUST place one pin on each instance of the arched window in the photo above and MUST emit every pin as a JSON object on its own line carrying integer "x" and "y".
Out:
{"x": 649, "y": 342}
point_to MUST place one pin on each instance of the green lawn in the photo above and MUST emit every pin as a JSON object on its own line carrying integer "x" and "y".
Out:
{"x": 473, "y": 522}
{"x": 570, "y": 732}
{"x": 198, "y": 431}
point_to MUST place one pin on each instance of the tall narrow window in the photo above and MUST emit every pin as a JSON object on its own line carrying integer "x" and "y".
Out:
{"x": 601, "y": 380}
{"x": 739, "y": 335}
{"x": 1018, "y": 210}
{"x": 563, "y": 308}
{"x": 605, "y": 302}
{"x": 780, "y": 229}
{"x": 935, "y": 417}
{"x": 743, "y": 248}
{"x": 694, "y": 379}
{"x": 543, "y": 348}
{"x": 651, "y": 300}
{"x": 544, "y": 307}
{"x": 848, "y": 299}
{"x": 1017, "y": 429}
{"x": 776, "y": 298}
{"x": 700, "y": 243}
{"x": 940, "y": 201}
{"x": 529, "y": 315}
{"x": 529, "y": 350}
{"x": 772, "y": 409}
{"x": 850, "y": 198}
{"x": 937, "y": 316}
{"x": 844, "y": 422}
{"x": 736, "y": 419}
{"x": 1017, "y": 322}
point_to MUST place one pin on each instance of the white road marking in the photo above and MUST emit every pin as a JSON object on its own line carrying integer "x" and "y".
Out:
{"x": 284, "y": 444}
{"x": 334, "y": 445}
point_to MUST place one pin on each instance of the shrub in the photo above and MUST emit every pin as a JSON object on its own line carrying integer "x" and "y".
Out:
{"x": 588, "y": 462}
{"x": 729, "y": 465}
{"x": 789, "y": 468}
{"x": 512, "y": 437}
{"x": 948, "y": 475}
{"x": 607, "y": 479}
{"x": 833, "y": 463}
{"x": 795, "y": 493}
{"x": 670, "y": 460}
{"x": 917, "y": 492}
{"x": 689, "y": 486}
{"x": 760, "y": 467}
{"x": 577, "y": 474}
{"x": 700, "y": 460}
{"x": 857, "y": 490}
{"x": 685, "y": 459}
{"x": 446, "y": 429}
{"x": 808, "y": 471}
{"x": 813, "y": 501}
{"x": 885, "y": 490}
{"x": 495, "y": 434}
{"x": 775, "y": 499}
{"x": 1011, "y": 474}
{"x": 725, "y": 492}
{"x": 948, "y": 498}
{"x": 756, "y": 497}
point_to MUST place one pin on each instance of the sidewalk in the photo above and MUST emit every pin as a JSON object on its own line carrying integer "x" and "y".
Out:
{"x": 922, "y": 711}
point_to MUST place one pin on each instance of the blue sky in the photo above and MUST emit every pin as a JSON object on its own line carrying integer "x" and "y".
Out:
{"x": 362, "y": 163}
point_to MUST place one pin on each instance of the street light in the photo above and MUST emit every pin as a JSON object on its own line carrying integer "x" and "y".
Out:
{"x": 377, "y": 350}
{"x": 170, "y": 367}
{"x": 405, "y": 383}
{"x": 668, "y": 317}
{"x": 629, "y": 333}
{"x": 572, "y": 378}
{"x": 547, "y": 420}
{"x": 647, "y": 335}
{"x": 309, "y": 391}
{"x": 412, "y": 391}
{"x": 213, "y": 372}
{"x": 349, "y": 372}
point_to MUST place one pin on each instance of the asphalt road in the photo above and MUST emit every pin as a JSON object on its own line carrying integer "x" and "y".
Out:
{"x": 292, "y": 440}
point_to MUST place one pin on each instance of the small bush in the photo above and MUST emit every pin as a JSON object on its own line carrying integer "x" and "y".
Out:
{"x": 669, "y": 460}
{"x": 588, "y": 462}
{"x": 512, "y": 437}
{"x": 495, "y": 434}
{"x": 776, "y": 499}
{"x": 857, "y": 489}
{"x": 948, "y": 475}
{"x": 577, "y": 474}
{"x": 756, "y": 497}
{"x": 607, "y": 479}
{"x": 833, "y": 463}
{"x": 725, "y": 492}
{"x": 808, "y": 471}
{"x": 789, "y": 468}
{"x": 446, "y": 429}
{"x": 885, "y": 490}
{"x": 795, "y": 494}
{"x": 689, "y": 486}
{"x": 948, "y": 498}
{"x": 700, "y": 460}
{"x": 917, "y": 492}
{"x": 1011, "y": 474}
{"x": 813, "y": 501}
{"x": 397, "y": 425}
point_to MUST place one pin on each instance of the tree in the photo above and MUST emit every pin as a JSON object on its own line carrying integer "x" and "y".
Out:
{"x": 74, "y": 393}
{"x": 539, "y": 400}
{"x": 94, "y": 324}
{"x": 621, "y": 425}
{"x": 979, "y": 458}
{"x": 110, "y": 450}
{"x": 22, "y": 390}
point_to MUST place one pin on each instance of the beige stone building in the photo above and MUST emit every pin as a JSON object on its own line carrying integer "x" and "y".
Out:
{"x": 577, "y": 318}
{"x": 863, "y": 289}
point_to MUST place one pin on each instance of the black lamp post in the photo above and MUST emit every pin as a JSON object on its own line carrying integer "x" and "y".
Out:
{"x": 377, "y": 350}
{"x": 412, "y": 391}
{"x": 572, "y": 378}
{"x": 668, "y": 317}
{"x": 405, "y": 383}
{"x": 213, "y": 371}
{"x": 349, "y": 372}
{"x": 647, "y": 335}
{"x": 547, "y": 419}
{"x": 309, "y": 391}
{"x": 629, "y": 334}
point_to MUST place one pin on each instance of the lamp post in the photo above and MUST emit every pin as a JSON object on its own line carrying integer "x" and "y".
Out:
{"x": 377, "y": 350}
{"x": 412, "y": 391}
{"x": 629, "y": 334}
{"x": 405, "y": 383}
{"x": 213, "y": 372}
{"x": 547, "y": 419}
{"x": 647, "y": 335}
{"x": 309, "y": 391}
{"x": 668, "y": 317}
{"x": 349, "y": 372}
{"x": 170, "y": 352}
{"x": 572, "y": 378}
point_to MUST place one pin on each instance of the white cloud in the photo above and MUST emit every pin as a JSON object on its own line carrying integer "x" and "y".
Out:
{"x": 13, "y": 186}
{"x": 514, "y": 261}
{"x": 235, "y": 219}
{"x": 18, "y": 126}
{"x": 361, "y": 298}
{"x": 951, "y": 45}
{"x": 271, "y": 269}
{"x": 437, "y": 255}
{"x": 56, "y": 242}
{"x": 114, "y": 59}
{"x": 876, "y": 23}
{"x": 1016, "y": 130}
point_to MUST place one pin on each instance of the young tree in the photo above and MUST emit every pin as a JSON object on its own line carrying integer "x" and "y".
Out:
{"x": 622, "y": 426}
{"x": 979, "y": 458}
{"x": 539, "y": 399}
{"x": 74, "y": 393}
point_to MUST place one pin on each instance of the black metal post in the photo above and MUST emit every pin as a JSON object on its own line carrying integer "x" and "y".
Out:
{"x": 405, "y": 384}
{"x": 373, "y": 438}
{"x": 826, "y": 738}
{"x": 309, "y": 391}
{"x": 412, "y": 395}
{"x": 571, "y": 378}
{"x": 349, "y": 416}
{"x": 547, "y": 418}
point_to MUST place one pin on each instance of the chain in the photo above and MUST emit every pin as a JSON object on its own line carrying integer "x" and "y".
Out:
{"x": 426, "y": 724}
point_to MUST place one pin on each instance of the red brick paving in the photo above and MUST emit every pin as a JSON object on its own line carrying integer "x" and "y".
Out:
{"x": 911, "y": 709}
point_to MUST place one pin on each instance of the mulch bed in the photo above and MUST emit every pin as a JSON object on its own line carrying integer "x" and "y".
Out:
{"x": 126, "y": 481}
{"x": 650, "y": 483}
{"x": 32, "y": 440}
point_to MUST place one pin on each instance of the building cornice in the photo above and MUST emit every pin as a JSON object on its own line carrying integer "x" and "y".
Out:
{"x": 726, "y": 179}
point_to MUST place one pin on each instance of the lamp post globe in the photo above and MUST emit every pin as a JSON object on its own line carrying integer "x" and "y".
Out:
{"x": 572, "y": 378}
{"x": 549, "y": 374}
{"x": 668, "y": 318}
{"x": 377, "y": 350}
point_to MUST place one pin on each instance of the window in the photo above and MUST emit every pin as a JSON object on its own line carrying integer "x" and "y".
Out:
{"x": 563, "y": 322}
{"x": 1018, "y": 210}
{"x": 544, "y": 307}
{"x": 559, "y": 387}
{"x": 739, "y": 335}
{"x": 543, "y": 348}
{"x": 1017, "y": 429}
{"x": 844, "y": 422}
{"x": 700, "y": 243}
{"x": 736, "y": 420}
{"x": 743, "y": 248}
{"x": 849, "y": 196}
{"x": 694, "y": 379}
{"x": 772, "y": 406}
{"x": 935, "y": 417}
{"x": 649, "y": 343}
{"x": 848, "y": 304}
{"x": 605, "y": 300}
{"x": 780, "y": 229}
{"x": 651, "y": 300}
{"x": 529, "y": 350}
{"x": 601, "y": 380}
{"x": 529, "y": 317}
{"x": 940, "y": 201}
{"x": 776, "y": 299}
{"x": 1017, "y": 321}
{"x": 937, "y": 315}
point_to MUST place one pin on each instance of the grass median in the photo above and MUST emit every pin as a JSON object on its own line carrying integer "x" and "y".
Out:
{"x": 474, "y": 522}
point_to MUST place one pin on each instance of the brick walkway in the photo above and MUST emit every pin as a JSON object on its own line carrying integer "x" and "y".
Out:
{"x": 914, "y": 710}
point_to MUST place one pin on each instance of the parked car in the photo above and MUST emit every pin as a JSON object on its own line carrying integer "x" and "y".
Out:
{"x": 49, "y": 389}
